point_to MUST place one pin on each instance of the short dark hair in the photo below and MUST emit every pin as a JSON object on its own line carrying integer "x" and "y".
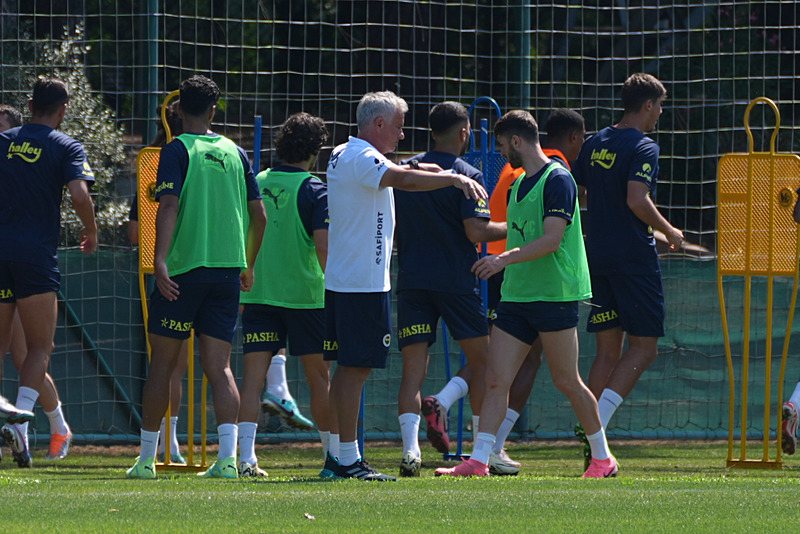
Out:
{"x": 518, "y": 122}
{"x": 13, "y": 114}
{"x": 49, "y": 94}
{"x": 300, "y": 137}
{"x": 446, "y": 115}
{"x": 640, "y": 88}
{"x": 562, "y": 122}
{"x": 198, "y": 94}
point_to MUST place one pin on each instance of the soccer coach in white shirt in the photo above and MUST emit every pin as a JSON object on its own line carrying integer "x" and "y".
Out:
{"x": 357, "y": 302}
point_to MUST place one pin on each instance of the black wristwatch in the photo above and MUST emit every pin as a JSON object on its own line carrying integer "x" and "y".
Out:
{"x": 414, "y": 164}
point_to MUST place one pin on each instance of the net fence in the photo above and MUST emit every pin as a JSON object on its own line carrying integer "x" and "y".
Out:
{"x": 274, "y": 58}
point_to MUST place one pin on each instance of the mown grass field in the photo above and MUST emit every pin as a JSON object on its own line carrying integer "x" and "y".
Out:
{"x": 662, "y": 487}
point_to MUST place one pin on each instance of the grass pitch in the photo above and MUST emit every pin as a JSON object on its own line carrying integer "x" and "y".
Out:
{"x": 662, "y": 487}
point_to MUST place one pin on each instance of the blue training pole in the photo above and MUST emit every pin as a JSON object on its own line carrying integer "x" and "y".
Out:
{"x": 256, "y": 143}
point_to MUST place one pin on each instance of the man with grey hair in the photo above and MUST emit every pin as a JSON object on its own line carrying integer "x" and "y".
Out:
{"x": 357, "y": 302}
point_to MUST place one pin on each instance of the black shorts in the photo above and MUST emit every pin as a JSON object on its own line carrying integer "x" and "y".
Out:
{"x": 418, "y": 313}
{"x": 208, "y": 302}
{"x": 633, "y": 302}
{"x": 19, "y": 279}
{"x": 267, "y": 328}
{"x": 358, "y": 328}
{"x": 524, "y": 320}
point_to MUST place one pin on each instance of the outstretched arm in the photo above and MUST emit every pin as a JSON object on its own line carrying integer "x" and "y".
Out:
{"x": 418, "y": 180}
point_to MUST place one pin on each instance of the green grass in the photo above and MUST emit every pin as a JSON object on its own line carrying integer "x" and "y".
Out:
{"x": 662, "y": 487}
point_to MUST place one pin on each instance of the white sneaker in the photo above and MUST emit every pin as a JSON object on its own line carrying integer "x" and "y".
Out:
{"x": 248, "y": 470}
{"x": 500, "y": 464}
{"x": 790, "y": 417}
{"x": 410, "y": 465}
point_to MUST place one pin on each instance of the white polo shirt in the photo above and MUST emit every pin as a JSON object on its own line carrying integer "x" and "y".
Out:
{"x": 361, "y": 212}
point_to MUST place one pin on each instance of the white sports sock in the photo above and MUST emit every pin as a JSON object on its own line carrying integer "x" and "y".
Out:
{"x": 483, "y": 447}
{"x": 148, "y": 442}
{"x": 173, "y": 434}
{"x": 607, "y": 404}
{"x": 227, "y": 440}
{"x": 26, "y": 398}
{"x": 795, "y": 398}
{"x": 452, "y": 391}
{"x": 247, "y": 442}
{"x": 161, "y": 433}
{"x": 325, "y": 438}
{"x": 333, "y": 446}
{"x": 409, "y": 428}
{"x": 476, "y": 419}
{"x": 505, "y": 429}
{"x": 348, "y": 453}
{"x": 58, "y": 425}
{"x": 276, "y": 378}
{"x": 599, "y": 445}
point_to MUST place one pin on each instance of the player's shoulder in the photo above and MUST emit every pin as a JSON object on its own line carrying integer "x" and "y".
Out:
{"x": 462, "y": 167}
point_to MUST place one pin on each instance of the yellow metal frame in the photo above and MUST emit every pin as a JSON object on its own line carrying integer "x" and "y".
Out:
{"x": 146, "y": 171}
{"x": 757, "y": 236}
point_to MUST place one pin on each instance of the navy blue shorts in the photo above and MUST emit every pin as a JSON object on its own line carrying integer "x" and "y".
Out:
{"x": 633, "y": 302}
{"x": 358, "y": 328}
{"x": 267, "y": 328}
{"x": 418, "y": 312}
{"x": 209, "y": 303}
{"x": 524, "y": 320}
{"x": 493, "y": 286}
{"x": 19, "y": 279}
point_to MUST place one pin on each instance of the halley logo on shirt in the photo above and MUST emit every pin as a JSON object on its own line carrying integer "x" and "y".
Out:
{"x": 214, "y": 159}
{"x": 25, "y": 151}
{"x": 379, "y": 239}
{"x": 6, "y": 293}
{"x": 520, "y": 229}
{"x": 330, "y": 345}
{"x": 604, "y": 158}
{"x": 646, "y": 172}
{"x": 275, "y": 197}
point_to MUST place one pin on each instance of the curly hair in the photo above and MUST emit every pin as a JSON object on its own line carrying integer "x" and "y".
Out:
{"x": 198, "y": 94}
{"x": 300, "y": 137}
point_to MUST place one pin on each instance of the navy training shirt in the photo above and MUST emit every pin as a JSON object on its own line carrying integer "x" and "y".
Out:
{"x": 37, "y": 162}
{"x": 433, "y": 250}
{"x": 617, "y": 241}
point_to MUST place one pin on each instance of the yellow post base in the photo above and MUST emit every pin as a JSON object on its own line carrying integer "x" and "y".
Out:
{"x": 755, "y": 464}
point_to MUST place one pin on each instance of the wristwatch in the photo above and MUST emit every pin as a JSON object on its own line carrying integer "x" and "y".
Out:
{"x": 414, "y": 164}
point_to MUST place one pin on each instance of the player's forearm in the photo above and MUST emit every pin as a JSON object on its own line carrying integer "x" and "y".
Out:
{"x": 321, "y": 246}
{"x": 255, "y": 230}
{"x": 485, "y": 231}
{"x": 648, "y": 213}
{"x": 84, "y": 208}
{"x": 166, "y": 218}
{"x": 415, "y": 179}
